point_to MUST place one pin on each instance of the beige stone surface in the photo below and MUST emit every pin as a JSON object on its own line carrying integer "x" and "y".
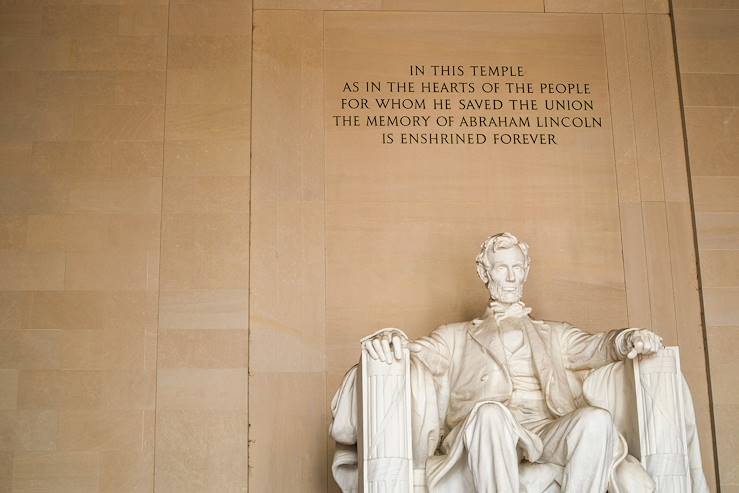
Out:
{"x": 202, "y": 450}
{"x": 619, "y": 86}
{"x": 283, "y": 428}
{"x": 599, "y": 6}
{"x": 204, "y": 309}
{"x": 710, "y": 89}
{"x": 203, "y": 348}
{"x": 724, "y": 380}
{"x": 706, "y": 40}
{"x": 207, "y": 158}
{"x": 667, "y": 106}
{"x": 609, "y": 6}
{"x": 202, "y": 345}
{"x": 717, "y": 230}
{"x": 47, "y": 472}
{"x": 658, "y": 271}
{"x": 82, "y": 163}
{"x": 9, "y": 382}
{"x": 712, "y": 143}
{"x": 287, "y": 290}
{"x": 136, "y": 238}
{"x": 706, "y": 36}
{"x": 205, "y": 251}
{"x": 408, "y": 5}
{"x": 125, "y": 471}
{"x": 720, "y": 268}
{"x": 219, "y": 17}
{"x": 705, "y": 4}
{"x": 644, "y": 108}
{"x": 100, "y": 430}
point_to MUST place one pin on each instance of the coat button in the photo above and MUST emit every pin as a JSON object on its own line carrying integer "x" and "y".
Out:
{"x": 484, "y": 378}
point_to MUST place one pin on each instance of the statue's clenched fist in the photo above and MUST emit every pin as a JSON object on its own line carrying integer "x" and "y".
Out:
{"x": 642, "y": 341}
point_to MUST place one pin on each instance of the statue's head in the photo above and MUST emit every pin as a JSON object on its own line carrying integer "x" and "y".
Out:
{"x": 503, "y": 265}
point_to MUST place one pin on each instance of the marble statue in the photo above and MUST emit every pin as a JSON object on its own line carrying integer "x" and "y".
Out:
{"x": 506, "y": 403}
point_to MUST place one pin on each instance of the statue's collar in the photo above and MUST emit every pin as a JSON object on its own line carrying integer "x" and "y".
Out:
{"x": 500, "y": 310}
{"x": 494, "y": 313}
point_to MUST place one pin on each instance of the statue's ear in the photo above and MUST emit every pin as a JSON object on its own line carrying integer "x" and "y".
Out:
{"x": 482, "y": 273}
{"x": 526, "y": 274}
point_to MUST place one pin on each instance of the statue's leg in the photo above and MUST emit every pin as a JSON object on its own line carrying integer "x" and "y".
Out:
{"x": 583, "y": 442}
{"x": 490, "y": 439}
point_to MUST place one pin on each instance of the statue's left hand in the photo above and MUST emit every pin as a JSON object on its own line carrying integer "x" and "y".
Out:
{"x": 643, "y": 341}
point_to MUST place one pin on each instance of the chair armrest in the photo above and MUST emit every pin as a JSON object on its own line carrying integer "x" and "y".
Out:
{"x": 385, "y": 442}
{"x": 663, "y": 443}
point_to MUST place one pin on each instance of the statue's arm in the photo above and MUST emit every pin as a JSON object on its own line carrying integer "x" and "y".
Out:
{"x": 435, "y": 350}
{"x": 583, "y": 350}
{"x": 586, "y": 351}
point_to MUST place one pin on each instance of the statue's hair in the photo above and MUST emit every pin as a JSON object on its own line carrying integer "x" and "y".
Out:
{"x": 494, "y": 243}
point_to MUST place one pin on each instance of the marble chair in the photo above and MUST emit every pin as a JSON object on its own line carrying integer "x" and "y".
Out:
{"x": 388, "y": 422}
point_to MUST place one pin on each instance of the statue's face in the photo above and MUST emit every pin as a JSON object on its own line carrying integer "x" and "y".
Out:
{"x": 507, "y": 275}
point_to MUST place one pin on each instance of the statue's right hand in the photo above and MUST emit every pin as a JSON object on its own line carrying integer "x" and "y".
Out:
{"x": 386, "y": 346}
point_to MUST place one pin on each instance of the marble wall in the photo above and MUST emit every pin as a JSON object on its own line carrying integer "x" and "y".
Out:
{"x": 124, "y": 231}
{"x": 707, "y": 34}
{"x": 173, "y": 300}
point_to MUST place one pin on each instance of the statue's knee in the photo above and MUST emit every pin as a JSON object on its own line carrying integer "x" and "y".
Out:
{"x": 491, "y": 413}
{"x": 491, "y": 420}
{"x": 596, "y": 420}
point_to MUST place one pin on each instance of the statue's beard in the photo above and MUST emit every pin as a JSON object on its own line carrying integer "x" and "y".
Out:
{"x": 506, "y": 293}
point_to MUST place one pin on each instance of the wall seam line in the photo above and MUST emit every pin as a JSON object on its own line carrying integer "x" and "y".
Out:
{"x": 249, "y": 246}
{"x": 636, "y": 164}
{"x": 665, "y": 214}
{"x": 161, "y": 249}
{"x": 615, "y": 167}
{"x": 691, "y": 203}
{"x": 329, "y": 477}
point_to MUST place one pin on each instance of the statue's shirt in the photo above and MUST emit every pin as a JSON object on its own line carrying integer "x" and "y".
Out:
{"x": 527, "y": 402}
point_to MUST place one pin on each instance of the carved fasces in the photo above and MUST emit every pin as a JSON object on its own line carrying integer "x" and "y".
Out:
{"x": 385, "y": 445}
{"x": 663, "y": 440}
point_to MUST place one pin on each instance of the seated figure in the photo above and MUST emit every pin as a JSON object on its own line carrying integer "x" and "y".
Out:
{"x": 498, "y": 403}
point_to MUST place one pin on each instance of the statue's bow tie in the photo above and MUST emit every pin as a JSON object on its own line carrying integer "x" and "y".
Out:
{"x": 515, "y": 310}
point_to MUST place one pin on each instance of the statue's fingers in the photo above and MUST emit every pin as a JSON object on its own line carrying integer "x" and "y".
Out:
{"x": 386, "y": 350}
{"x": 632, "y": 354}
{"x": 655, "y": 344}
{"x": 397, "y": 347}
{"x": 371, "y": 350}
{"x": 414, "y": 347}
{"x": 639, "y": 346}
{"x": 378, "y": 348}
{"x": 648, "y": 349}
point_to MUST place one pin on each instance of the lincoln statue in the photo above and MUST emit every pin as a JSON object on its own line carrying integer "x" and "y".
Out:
{"x": 503, "y": 392}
